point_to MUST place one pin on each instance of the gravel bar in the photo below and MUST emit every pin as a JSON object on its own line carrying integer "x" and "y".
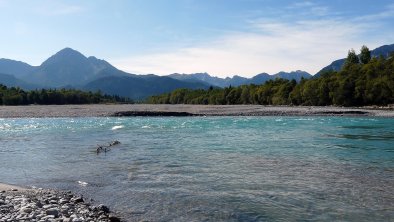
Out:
{"x": 101, "y": 110}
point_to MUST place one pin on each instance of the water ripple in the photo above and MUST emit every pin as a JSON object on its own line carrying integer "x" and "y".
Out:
{"x": 212, "y": 168}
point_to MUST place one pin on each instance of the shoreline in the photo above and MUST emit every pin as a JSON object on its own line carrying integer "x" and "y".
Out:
{"x": 122, "y": 110}
{"x": 37, "y": 204}
{"x": 8, "y": 187}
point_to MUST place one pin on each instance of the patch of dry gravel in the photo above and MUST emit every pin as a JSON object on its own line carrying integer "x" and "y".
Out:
{"x": 39, "y": 111}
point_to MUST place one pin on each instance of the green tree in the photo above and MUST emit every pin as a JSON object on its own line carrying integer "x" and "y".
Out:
{"x": 245, "y": 95}
{"x": 365, "y": 55}
{"x": 352, "y": 57}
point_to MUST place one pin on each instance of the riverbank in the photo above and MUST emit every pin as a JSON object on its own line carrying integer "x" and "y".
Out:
{"x": 24, "y": 204}
{"x": 100, "y": 110}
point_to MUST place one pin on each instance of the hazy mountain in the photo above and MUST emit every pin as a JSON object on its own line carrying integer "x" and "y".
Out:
{"x": 69, "y": 67}
{"x": 263, "y": 77}
{"x": 337, "y": 64}
{"x": 139, "y": 87}
{"x": 205, "y": 77}
{"x": 384, "y": 51}
{"x": 238, "y": 80}
{"x": 260, "y": 78}
{"x": 187, "y": 78}
{"x": 15, "y": 68}
{"x": 202, "y": 78}
{"x": 297, "y": 75}
{"x": 12, "y": 81}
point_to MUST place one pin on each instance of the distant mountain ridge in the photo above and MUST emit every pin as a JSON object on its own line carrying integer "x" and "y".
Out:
{"x": 12, "y": 81}
{"x": 336, "y": 65}
{"x": 70, "y": 69}
{"x": 238, "y": 80}
{"x": 15, "y": 68}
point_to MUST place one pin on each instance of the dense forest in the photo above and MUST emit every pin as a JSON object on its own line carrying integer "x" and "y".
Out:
{"x": 361, "y": 81}
{"x": 17, "y": 96}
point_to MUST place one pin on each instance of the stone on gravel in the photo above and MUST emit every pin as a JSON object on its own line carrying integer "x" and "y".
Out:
{"x": 52, "y": 211}
{"x": 26, "y": 209}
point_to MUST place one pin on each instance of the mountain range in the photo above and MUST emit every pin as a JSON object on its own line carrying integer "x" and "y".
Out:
{"x": 69, "y": 68}
{"x": 239, "y": 80}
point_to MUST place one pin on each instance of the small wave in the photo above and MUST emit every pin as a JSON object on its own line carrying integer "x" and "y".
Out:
{"x": 31, "y": 126}
{"x": 5, "y": 126}
{"x": 117, "y": 127}
{"x": 305, "y": 119}
{"x": 82, "y": 183}
{"x": 145, "y": 127}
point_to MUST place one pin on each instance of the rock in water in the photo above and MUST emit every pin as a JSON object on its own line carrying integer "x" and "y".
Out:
{"x": 113, "y": 219}
{"x": 103, "y": 208}
{"x": 77, "y": 199}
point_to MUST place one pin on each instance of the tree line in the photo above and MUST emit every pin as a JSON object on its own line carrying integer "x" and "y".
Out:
{"x": 18, "y": 96}
{"x": 361, "y": 81}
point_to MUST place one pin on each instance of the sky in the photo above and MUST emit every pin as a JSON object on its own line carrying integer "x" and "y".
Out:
{"x": 220, "y": 37}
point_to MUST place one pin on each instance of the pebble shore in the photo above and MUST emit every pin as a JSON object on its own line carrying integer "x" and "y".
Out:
{"x": 50, "y": 206}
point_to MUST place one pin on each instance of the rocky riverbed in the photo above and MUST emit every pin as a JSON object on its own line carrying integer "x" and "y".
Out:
{"x": 101, "y": 110}
{"x": 50, "y": 206}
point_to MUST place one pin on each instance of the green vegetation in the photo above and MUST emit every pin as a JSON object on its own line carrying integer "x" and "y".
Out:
{"x": 17, "y": 96}
{"x": 370, "y": 82}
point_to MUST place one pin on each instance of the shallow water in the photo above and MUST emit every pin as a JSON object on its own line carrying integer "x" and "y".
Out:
{"x": 213, "y": 168}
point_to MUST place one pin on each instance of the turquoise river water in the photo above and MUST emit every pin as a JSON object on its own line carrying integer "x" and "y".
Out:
{"x": 211, "y": 168}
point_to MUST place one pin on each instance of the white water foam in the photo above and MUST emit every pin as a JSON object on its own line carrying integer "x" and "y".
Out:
{"x": 82, "y": 183}
{"x": 117, "y": 127}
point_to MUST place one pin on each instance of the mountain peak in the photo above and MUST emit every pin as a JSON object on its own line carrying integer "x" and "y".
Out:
{"x": 69, "y": 52}
{"x": 68, "y": 49}
{"x": 66, "y": 56}
{"x": 262, "y": 74}
{"x": 69, "y": 67}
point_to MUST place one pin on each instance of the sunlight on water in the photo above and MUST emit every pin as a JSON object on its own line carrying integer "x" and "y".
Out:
{"x": 211, "y": 168}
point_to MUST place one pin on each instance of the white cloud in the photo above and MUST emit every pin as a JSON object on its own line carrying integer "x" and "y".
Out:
{"x": 269, "y": 46}
{"x": 302, "y": 4}
{"x": 309, "y": 8}
{"x": 307, "y": 45}
{"x": 55, "y": 8}
{"x": 387, "y": 13}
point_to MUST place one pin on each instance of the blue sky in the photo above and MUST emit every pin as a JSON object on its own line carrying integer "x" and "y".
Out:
{"x": 221, "y": 37}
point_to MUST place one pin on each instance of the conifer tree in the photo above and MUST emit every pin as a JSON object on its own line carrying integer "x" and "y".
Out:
{"x": 365, "y": 55}
{"x": 352, "y": 57}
